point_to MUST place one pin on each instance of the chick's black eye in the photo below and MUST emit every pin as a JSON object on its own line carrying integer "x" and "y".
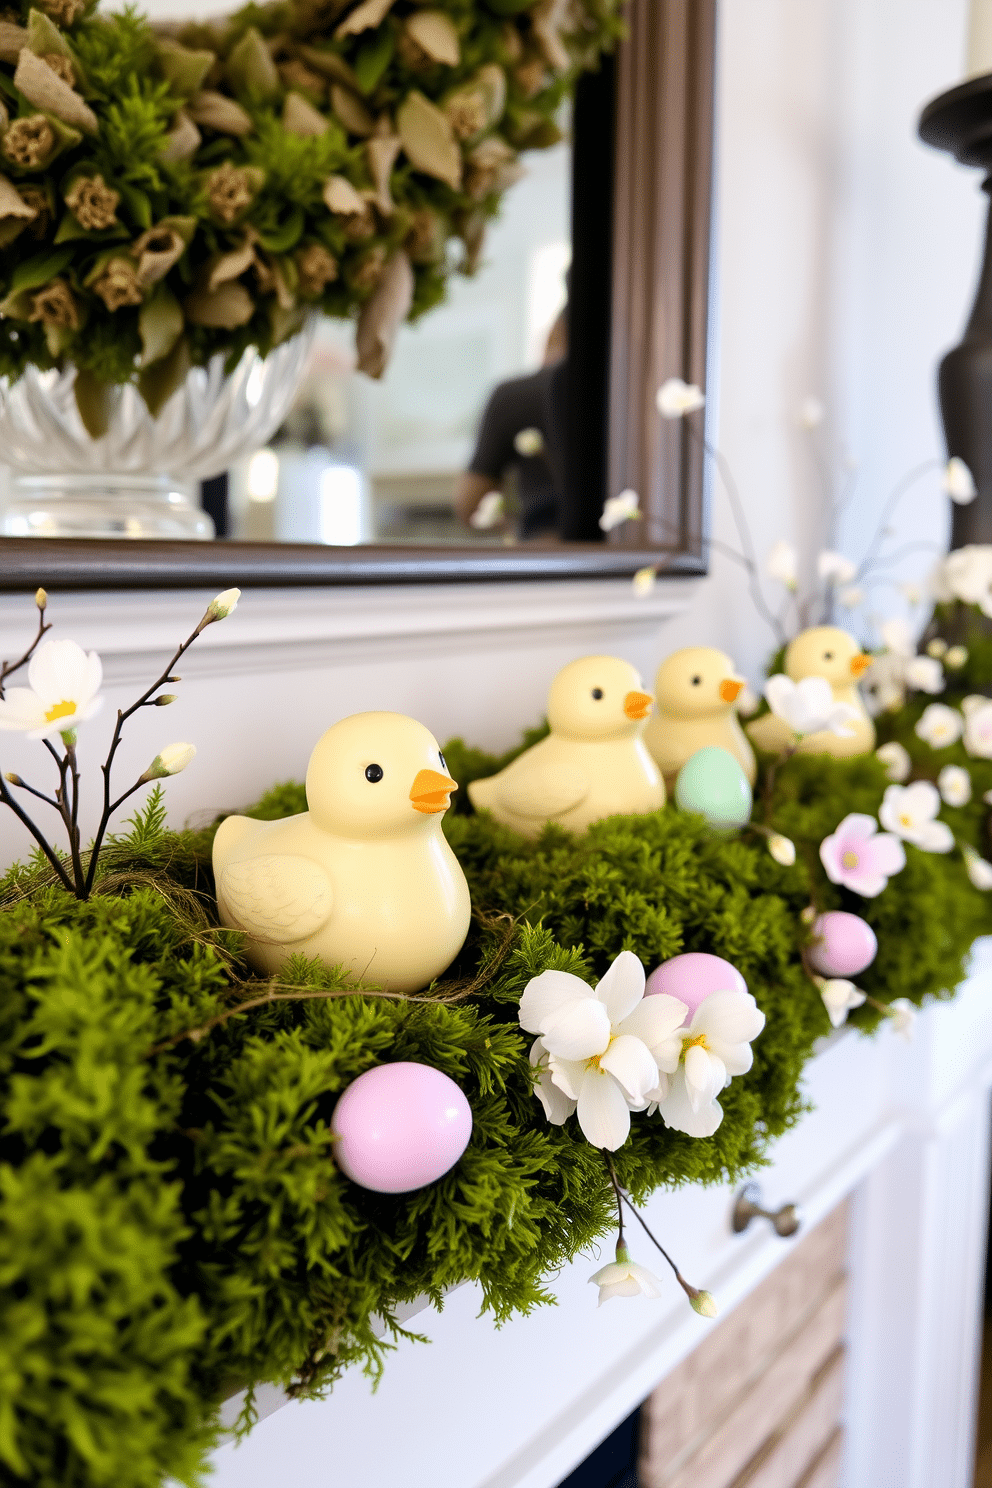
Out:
{"x": 373, "y": 774}
{"x": 597, "y": 693}
{"x": 443, "y": 762}
{"x": 828, "y": 656}
{"x": 696, "y": 681}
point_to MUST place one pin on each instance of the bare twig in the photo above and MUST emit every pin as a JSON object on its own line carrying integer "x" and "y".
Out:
{"x": 8, "y": 668}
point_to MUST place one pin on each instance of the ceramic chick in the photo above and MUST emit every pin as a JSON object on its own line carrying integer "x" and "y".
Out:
{"x": 823, "y": 651}
{"x": 592, "y": 764}
{"x": 365, "y": 878}
{"x": 695, "y": 692}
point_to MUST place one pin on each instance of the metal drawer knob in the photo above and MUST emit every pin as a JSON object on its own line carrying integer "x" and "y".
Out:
{"x": 747, "y": 1206}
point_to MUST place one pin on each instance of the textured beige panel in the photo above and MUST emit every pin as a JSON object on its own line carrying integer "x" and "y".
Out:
{"x": 696, "y": 1402}
{"x": 824, "y": 1471}
{"x": 803, "y": 1437}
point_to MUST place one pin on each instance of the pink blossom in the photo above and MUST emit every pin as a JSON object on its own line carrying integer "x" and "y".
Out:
{"x": 860, "y": 857}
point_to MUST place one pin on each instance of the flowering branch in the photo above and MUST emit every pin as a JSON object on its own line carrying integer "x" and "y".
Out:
{"x": 700, "y": 1301}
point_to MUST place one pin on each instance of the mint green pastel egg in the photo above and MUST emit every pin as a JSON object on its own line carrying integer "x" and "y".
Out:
{"x": 712, "y": 783}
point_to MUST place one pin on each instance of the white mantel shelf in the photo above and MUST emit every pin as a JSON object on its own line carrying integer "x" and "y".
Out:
{"x": 901, "y": 1128}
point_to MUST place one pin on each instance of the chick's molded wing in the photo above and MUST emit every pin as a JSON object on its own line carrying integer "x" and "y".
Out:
{"x": 277, "y": 898}
{"x": 541, "y": 790}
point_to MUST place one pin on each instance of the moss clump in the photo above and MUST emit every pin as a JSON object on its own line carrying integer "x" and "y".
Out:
{"x": 172, "y": 1224}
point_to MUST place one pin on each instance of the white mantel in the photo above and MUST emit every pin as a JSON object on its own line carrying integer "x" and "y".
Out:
{"x": 902, "y": 1128}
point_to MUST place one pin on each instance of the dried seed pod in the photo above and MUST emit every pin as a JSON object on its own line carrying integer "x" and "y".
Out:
{"x": 118, "y": 284}
{"x": 55, "y": 305}
{"x": 233, "y": 264}
{"x": 12, "y": 41}
{"x": 217, "y": 111}
{"x": 383, "y": 315}
{"x": 381, "y": 153}
{"x": 316, "y": 268}
{"x": 160, "y": 324}
{"x": 300, "y": 117}
{"x": 363, "y": 17}
{"x": 231, "y": 189}
{"x": 296, "y": 74}
{"x": 13, "y": 204}
{"x": 428, "y": 139}
{"x": 434, "y": 33}
{"x": 92, "y": 203}
{"x": 158, "y": 249}
{"x": 183, "y": 139}
{"x": 341, "y": 197}
{"x": 46, "y": 90}
{"x": 30, "y": 142}
{"x": 224, "y": 308}
{"x": 351, "y": 111}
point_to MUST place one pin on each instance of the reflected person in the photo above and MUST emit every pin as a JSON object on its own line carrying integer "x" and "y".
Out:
{"x": 522, "y": 431}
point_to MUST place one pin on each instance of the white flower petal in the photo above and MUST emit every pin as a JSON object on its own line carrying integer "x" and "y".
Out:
{"x": 782, "y": 564}
{"x": 935, "y": 837}
{"x": 603, "y": 1113}
{"x": 547, "y": 994}
{"x": 834, "y": 567}
{"x": 557, "y": 1106}
{"x": 629, "y": 1061}
{"x": 568, "y": 1075}
{"x": 958, "y": 481}
{"x": 622, "y": 988}
{"x": 730, "y": 1016}
{"x": 704, "y": 1076}
{"x": 895, "y": 758}
{"x": 21, "y": 709}
{"x": 655, "y": 1019}
{"x": 579, "y": 1030}
{"x": 677, "y": 1111}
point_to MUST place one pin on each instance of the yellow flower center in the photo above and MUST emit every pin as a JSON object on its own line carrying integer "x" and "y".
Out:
{"x": 699, "y": 1042}
{"x": 59, "y": 710}
{"x": 907, "y": 821}
{"x": 849, "y": 859}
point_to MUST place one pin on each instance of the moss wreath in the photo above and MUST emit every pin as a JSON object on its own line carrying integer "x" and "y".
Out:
{"x": 172, "y": 1225}
{"x": 172, "y": 192}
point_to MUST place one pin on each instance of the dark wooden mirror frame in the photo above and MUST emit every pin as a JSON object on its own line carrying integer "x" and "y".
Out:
{"x": 642, "y": 177}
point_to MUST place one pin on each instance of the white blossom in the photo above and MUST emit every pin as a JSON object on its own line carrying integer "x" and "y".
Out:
{"x": 620, "y": 509}
{"x": 170, "y": 761}
{"x": 748, "y": 702}
{"x": 808, "y": 707}
{"x": 966, "y": 574}
{"x": 898, "y": 637}
{"x": 911, "y": 593}
{"x": 529, "y": 442}
{"x": 910, "y": 812}
{"x": 958, "y": 481}
{"x": 972, "y": 702}
{"x": 782, "y": 564}
{"x": 839, "y": 997}
{"x": 602, "y": 1051}
{"x": 63, "y": 691}
{"x": 851, "y": 597}
{"x": 954, "y": 784}
{"x": 939, "y": 725}
{"x": 811, "y": 412}
{"x": 715, "y": 1046}
{"x": 676, "y": 398}
{"x": 895, "y": 758}
{"x": 978, "y": 730}
{"x": 644, "y": 580}
{"x": 937, "y": 647}
{"x": 223, "y": 604}
{"x": 782, "y": 849}
{"x": 902, "y": 1016}
{"x": 488, "y": 512}
{"x": 625, "y": 1278}
{"x": 979, "y": 869}
{"x": 956, "y": 657}
{"x": 834, "y": 568}
{"x": 925, "y": 674}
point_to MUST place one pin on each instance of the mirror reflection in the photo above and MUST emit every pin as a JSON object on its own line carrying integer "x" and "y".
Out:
{"x": 459, "y": 442}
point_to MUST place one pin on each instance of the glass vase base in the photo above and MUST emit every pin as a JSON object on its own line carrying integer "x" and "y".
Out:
{"x": 108, "y": 506}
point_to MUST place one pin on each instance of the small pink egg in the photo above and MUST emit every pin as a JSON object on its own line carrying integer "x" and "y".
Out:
{"x": 844, "y": 945}
{"x": 400, "y": 1126}
{"x": 693, "y": 976}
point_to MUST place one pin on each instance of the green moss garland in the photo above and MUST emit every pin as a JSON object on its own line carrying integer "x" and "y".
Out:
{"x": 172, "y": 1226}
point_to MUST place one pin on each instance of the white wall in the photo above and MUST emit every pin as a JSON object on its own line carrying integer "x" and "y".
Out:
{"x": 846, "y": 254}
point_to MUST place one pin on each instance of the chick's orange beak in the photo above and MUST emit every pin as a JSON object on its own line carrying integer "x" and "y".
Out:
{"x": 431, "y": 792}
{"x": 860, "y": 663}
{"x": 637, "y": 704}
{"x": 730, "y": 687}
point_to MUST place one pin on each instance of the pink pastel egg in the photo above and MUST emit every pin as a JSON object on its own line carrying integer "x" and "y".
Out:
{"x": 400, "y": 1126}
{"x": 844, "y": 944}
{"x": 693, "y": 976}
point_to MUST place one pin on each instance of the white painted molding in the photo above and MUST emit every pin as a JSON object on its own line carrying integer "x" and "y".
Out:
{"x": 297, "y": 629}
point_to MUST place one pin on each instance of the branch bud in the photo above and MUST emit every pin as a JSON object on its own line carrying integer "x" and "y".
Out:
{"x": 14, "y": 779}
{"x": 164, "y": 698}
{"x": 221, "y": 606}
{"x": 169, "y": 761}
{"x": 41, "y": 599}
{"x": 700, "y": 1301}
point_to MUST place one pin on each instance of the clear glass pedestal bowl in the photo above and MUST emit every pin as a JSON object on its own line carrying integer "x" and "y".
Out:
{"x": 141, "y": 478}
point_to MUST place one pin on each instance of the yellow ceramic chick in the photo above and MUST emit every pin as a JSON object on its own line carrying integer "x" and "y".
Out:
{"x": 592, "y": 764}
{"x": 823, "y": 651}
{"x": 695, "y": 691}
{"x": 365, "y": 878}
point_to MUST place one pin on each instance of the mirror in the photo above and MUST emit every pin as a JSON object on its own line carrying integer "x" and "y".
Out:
{"x": 461, "y": 410}
{"x": 378, "y": 482}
